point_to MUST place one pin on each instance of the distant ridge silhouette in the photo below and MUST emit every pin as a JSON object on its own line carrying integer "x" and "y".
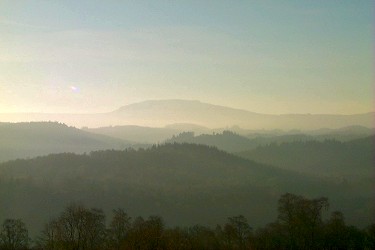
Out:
{"x": 159, "y": 113}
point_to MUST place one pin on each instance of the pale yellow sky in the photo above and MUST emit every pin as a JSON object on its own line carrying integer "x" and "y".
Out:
{"x": 262, "y": 56}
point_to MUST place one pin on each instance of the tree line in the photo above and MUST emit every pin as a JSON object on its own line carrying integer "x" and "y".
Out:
{"x": 299, "y": 225}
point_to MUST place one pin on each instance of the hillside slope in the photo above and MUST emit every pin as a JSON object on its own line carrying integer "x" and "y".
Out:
{"x": 233, "y": 142}
{"x": 22, "y": 140}
{"x": 227, "y": 140}
{"x": 329, "y": 157}
{"x": 184, "y": 183}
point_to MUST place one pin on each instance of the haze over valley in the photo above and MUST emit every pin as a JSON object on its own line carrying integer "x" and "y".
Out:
{"x": 186, "y": 125}
{"x": 160, "y": 113}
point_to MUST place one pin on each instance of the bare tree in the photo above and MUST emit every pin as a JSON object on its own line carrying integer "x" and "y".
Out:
{"x": 118, "y": 229}
{"x": 14, "y": 235}
{"x": 77, "y": 228}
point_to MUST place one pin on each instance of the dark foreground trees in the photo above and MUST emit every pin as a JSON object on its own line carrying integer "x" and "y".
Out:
{"x": 118, "y": 230}
{"x": 14, "y": 235}
{"x": 301, "y": 220}
{"x": 299, "y": 225}
{"x": 77, "y": 228}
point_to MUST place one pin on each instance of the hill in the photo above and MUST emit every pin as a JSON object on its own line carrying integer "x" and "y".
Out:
{"x": 227, "y": 140}
{"x": 184, "y": 183}
{"x": 22, "y": 140}
{"x": 328, "y": 157}
{"x": 341, "y": 134}
{"x": 233, "y": 142}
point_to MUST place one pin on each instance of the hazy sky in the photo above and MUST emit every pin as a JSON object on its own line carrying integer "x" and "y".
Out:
{"x": 264, "y": 56}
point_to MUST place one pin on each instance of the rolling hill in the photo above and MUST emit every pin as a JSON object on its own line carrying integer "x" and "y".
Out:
{"x": 227, "y": 140}
{"x": 30, "y": 139}
{"x": 184, "y": 183}
{"x": 348, "y": 159}
{"x": 233, "y": 142}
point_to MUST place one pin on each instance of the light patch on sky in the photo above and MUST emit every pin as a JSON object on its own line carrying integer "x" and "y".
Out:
{"x": 74, "y": 89}
{"x": 262, "y": 56}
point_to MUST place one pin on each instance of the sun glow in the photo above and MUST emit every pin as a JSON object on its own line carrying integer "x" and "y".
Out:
{"x": 74, "y": 89}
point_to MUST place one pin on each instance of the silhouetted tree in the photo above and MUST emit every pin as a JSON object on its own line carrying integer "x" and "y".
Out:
{"x": 273, "y": 237}
{"x": 302, "y": 219}
{"x": 77, "y": 228}
{"x": 14, "y": 235}
{"x": 49, "y": 238}
{"x": 237, "y": 232}
{"x": 336, "y": 233}
{"x": 146, "y": 234}
{"x": 356, "y": 238}
{"x": 176, "y": 239}
{"x": 299, "y": 226}
{"x": 370, "y": 236}
{"x": 118, "y": 229}
{"x": 201, "y": 237}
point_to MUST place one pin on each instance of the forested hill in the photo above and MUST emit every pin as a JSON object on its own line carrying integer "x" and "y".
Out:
{"x": 184, "y": 183}
{"x": 234, "y": 142}
{"x": 30, "y": 139}
{"x": 329, "y": 157}
{"x": 227, "y": 140}
{"x": 168, "y": 166}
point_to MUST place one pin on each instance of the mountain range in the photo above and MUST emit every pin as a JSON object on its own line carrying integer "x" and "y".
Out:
{"x": 159, "y": 113}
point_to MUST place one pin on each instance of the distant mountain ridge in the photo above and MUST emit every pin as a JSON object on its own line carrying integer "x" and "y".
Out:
{"x": 159, "y": 113}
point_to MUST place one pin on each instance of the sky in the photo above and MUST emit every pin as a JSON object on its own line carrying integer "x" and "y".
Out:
{"x": 276, "y": 57}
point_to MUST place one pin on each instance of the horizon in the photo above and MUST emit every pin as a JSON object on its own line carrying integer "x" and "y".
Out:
{"x": 265, "y": 57}
{"x": 199, "y": 124}
{"x": 182, "y": 100}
